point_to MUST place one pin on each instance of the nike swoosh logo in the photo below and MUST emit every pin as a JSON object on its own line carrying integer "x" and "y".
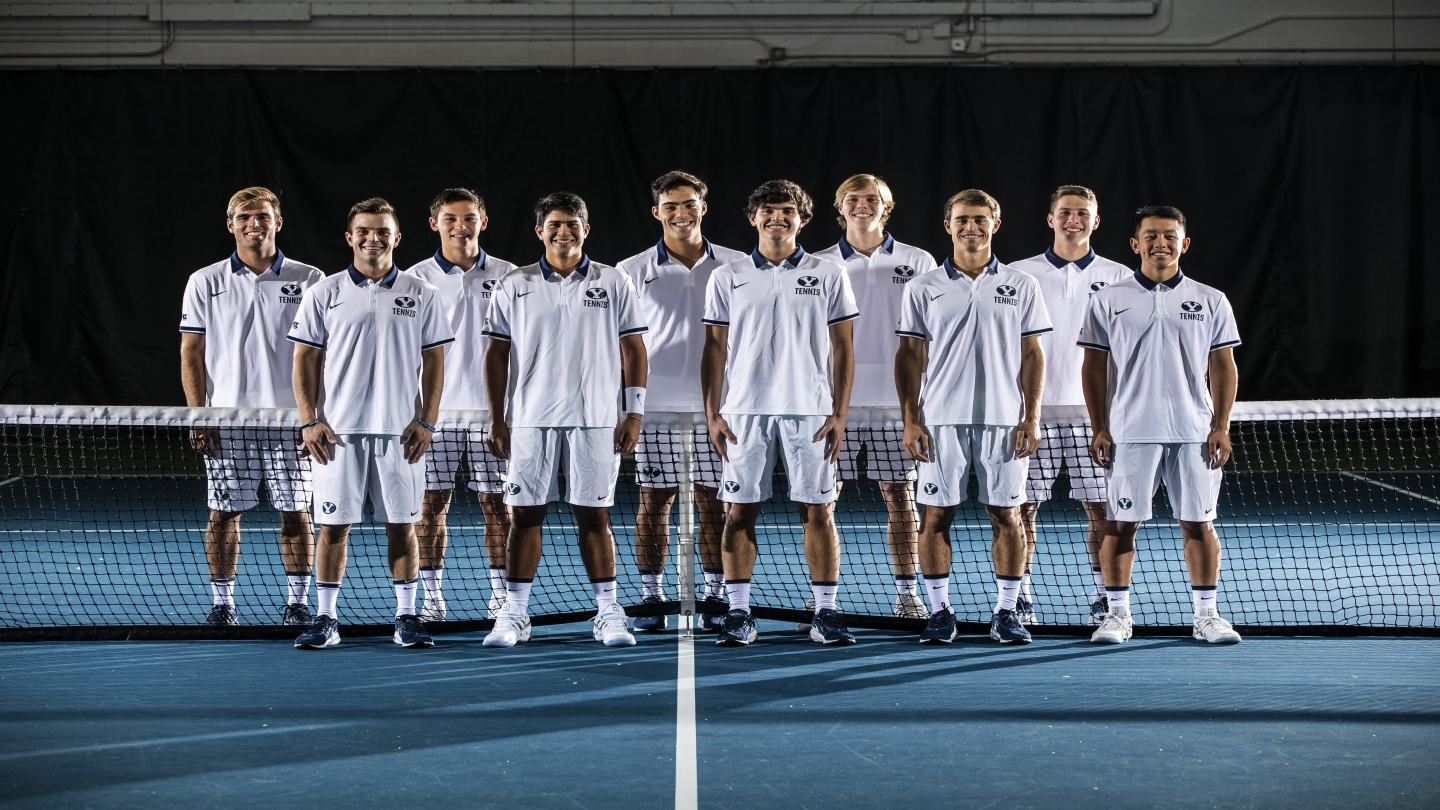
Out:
{"x": 648, "y": 280}
{"x": 1122, "y": 311}
{"x": 827, "y": 491}
{"x": 941, "y": 295}
{"x": 332, "y": 306}
{"x": 522, "y": 295}
{"x": 735, "y": 286}
{"x": 222, "y": 292}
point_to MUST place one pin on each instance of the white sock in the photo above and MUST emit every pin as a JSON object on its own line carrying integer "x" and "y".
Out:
{"x": 654, "y": 584}
{"x": 1204, "y": 596}
{"x": 299, "y": 588}
{"x": 497, "y": 579}
{"x": 824, "y": 593}
{"x": 604, "y": 592}
{"x": 905, "y": 585}
{"x": 517, "y": 596}
{"x": 325, "y": 594}
{"x": 1025, "y": 587}
{"x": 739, "y": 592}
{"x": 714, "y": 584}
{"x": 1119, "y": 599}
{"x": 939, "y": 588}
{"x": 224, "y": 591}
{"x": 404, "y": 597}
{"x": 1009, "y": 591}
{"x": 432, "y": 578}
{"x": 1099, "y": 577}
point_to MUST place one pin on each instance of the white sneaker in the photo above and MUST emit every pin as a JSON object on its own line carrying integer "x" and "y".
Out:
{"x": 497, "y": 604}
{"x": 1115, "y": 629}
{"x": 611, "y": 627}
{"x": 910, "y": 606}
{"x": 804, "y": 627}
{"x": 434, "y": 610}
{"x": 1210, "y": 627}
{"x": 509, "y": 631}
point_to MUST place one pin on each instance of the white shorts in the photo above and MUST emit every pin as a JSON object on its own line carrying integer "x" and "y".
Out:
{"x": 1135, "y": 475}
{"x": 747, "y": 475}
{"x": 656, "y": 454}
{"x": 885, "y": 458}
{"x": 1065, "y": 446}
{"x": 363, "y": 464}
{"x": 250, "y": 455}
{"x": 487, "y": 473}
{"x": 588, "y": 455}
{"x": 990, "y": 449}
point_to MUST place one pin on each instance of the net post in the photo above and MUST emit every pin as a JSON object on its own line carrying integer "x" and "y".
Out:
{"x": 685, "y": 524}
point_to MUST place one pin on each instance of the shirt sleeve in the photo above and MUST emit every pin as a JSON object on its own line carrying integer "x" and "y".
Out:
{"x": 1225, "y": 332}
{"x": 192, "y": 308}
{"x": 434, "y": 329}
{"x": 1094, "y": 331}
{"x": 912, "y": 314}
{"x": 627, "y": 312}
{"x": 1035, "y": 320}
{"x": 842, "y": 300}
{"x": 497, "y": 315}
{"x": 309, "y": 326}
{"x": 717, "y": 300}
{"x": 929, "y": 263}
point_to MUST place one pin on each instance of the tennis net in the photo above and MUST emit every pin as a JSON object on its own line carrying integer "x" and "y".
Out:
{"x": 1329, "y": 517}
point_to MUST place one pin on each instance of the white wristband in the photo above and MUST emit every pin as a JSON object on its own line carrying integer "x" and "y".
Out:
{"x": 635, "y": 401}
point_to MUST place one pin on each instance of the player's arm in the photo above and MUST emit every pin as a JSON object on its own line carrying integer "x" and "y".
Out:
{"x": 712, "y": 386}
{"x": 1224, "y": 380}
{"x": 419, "y": 432}
{"x": 635, "y": 368}
{"x": 497, "y": 377}
{"x": 192, "y": 378}
{"x": 307, "y": 377}
{"x": 910, "y": 360}
{"x": 1032, "y": 383}
{"x": 842, "y": 379}
{"x": 1095, "y": 384}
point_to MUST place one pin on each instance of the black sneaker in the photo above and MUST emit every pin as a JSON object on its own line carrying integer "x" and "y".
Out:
{"x": 410, "y": 632}
{"x": 940, "y": 629}
{"x": 323, "y": 632}
{"x": 828, "y": 628}
{"x": 1005, "y": 627}
{"x": 297, "y": 616}
{"x": 651, "y": 624}
{"x": 1025, "y": 610}
{"x": 738, "y": 629}
{"x": 711, "y": 622}
{"x": 222, "y": 616}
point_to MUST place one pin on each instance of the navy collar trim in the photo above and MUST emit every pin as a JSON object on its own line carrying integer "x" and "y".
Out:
{"x": 992, "y": 267}
{"x": 387, "y": 282}
{"x": 846, "y": 251}
{"x": 1082, "y": 262}
{"x": 237, "y": 266}
{"x": 549, "y": 271}
{"x": 1172, "y": 282}
{"x": 447, "y": 267}
{"x": 662, "y": 256}
{"x": 793, "y": 261}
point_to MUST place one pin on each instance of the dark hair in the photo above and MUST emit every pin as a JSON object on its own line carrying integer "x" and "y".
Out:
{"x": 563, "y": 201}
{"x": 772, "y": 192}
{"x": 456, "y": 195}
{"x": 1159, "y": 211}
{"x": 1072, "y": 191}
{"x": 374, "y": 205}
{"x": 670, "y": 181}
{"x": 973, "y": 197}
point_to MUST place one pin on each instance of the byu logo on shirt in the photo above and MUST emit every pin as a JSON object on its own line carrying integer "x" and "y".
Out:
{"x": 903, "y": 273}
{"x": 1096, "y": 287}
{"x": 290, "y": 293}
{"x": 487, "y": 287}
{"x": 808, "y": 285}
{"x": 405, "y": 305}
{"x": 1006, "y": 295}
{"x": 596, "y": 297}
{"x": 1191, "y": 311}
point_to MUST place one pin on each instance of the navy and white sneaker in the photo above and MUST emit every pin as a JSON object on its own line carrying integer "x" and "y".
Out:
{"x": 323, "y": 632}
{"x": 1099, "y": 609}
{"x": 940, "y": 629}
{"x": 737, "y": 630}
{"x": 711, "y": 622}
{"x": 411, "y": 632}
{"x": 651, "y": 624}
{"x": 222, "y": 616}
{"x": 828, "y": 628}
{"x": 297, "y": 616}
{"x": 1025, "y": 610}
{"x": 1005, "y": 627}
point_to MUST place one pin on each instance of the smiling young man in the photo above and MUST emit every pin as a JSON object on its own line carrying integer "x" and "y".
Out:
{"x": 970, "y": 372}
{"x": 1069, "y": 273}
{"x": 369, "y": 369}
{"x": 464, "y": 277}
{"x": 565, "y": 346}
{"x": 670, "y": 281}
{"x": 233, "y": 354}
{"x": 1159, "y": 379}
{"x": 879, "y": 268}
{"x": 776, "y": 375}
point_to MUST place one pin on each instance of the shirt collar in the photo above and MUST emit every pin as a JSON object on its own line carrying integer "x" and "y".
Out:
{"x": 549, "y": 271}
{"x": 846, "y": 251}
{"x": 237, "y": 266}
{"x": 1082, "y": 262}
{"x": 662, "y": 256}
{"x": 387, "y": 282}
{"x": 1172, "y": 283}
{"x": 447, "y": 267}
{"x": 793, "y": 262}
{"x": 992, "y": 267}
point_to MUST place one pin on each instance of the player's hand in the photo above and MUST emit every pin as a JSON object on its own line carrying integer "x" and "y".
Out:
{"x": 916, "y": 440}
{"x": 499, "y": 440}
{"x": 833, "y": 432}
{"x": 416, "y": 439}
{"x": 316, "y": 442}
{"x": 1027, "y": 439}
{"x": 1217, "y": 448}
{"x": 720, "y": 435}
{"x": 1102, "y": 449}
{"x": 206, "y": 440}
{"x": 627, "y": 433}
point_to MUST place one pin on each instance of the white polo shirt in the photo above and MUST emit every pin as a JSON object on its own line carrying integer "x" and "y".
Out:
{"x": 779, "y": 318}
{"x": 671, "y": 301}
{"x": 464, "y": 296}
{"x": 878, "y": 281}
{"x": 1067, "y": 287}
{"x": 244, "y": 318}
{"x": 1159, "y": 337}
{"x": 564, "y": 335}
{"x": 974, "y": 330}
{"x": 373, "y": 334}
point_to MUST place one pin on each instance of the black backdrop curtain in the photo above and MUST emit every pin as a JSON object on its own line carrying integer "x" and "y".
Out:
{"x": 1308, "y": 189}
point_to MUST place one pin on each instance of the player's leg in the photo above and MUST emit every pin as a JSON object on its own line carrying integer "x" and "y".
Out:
{"x": 813, "y": 488}
{"x": 652, "y": 545}
{"x": 710, "y": 512}
{"x": 894, "y": 471}
{"x": 1045, "y": 467}
{"x": 941, "y": 484}
{"x": 487, "y": 478}
{"x": 1001, "y": 477}
{"x": 1087, "y": 485}
{"x": 532, "y": 482}
{"x": 1194, "y": 492}
{"x": 442, "y": 461}
{"x": 232, "y": 487}
{"x": 592, "y": 469}
{"x": 745, "y": 487}
{"x": 287, "y": 484}
{"x": 1099, "y": 529}
{"x": 222, "y": 555}
{"x": 397, "y": 493}
{"x": 339, "y": 488}
{"x": 1131, "y": 480}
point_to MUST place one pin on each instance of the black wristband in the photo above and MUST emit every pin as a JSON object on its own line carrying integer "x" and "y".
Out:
{"x": 310, "y": 424}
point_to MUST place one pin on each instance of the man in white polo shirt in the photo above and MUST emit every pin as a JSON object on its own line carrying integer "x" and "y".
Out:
{"x": 1069, "y": 273}
{"x": 369, "y": 369}
{"x": 670, "y": 280}
{"x": 565, "y": 344}
{"x": 465, "y": 278}
{"x": 233, "y": 354}
{"x": 879, "y": 268}
{"x": 970, "y": 372}
{"x": 1159, "y": 379}
{"x": 776, "y": 376}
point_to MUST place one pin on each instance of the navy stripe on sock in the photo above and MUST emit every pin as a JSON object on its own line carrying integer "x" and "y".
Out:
{"x": 905, "y": 577}
{"x": 937, "y": 576}
{"x": 1117, "y": 587}
{"x": 1008, "y": 579}
{"x": 327, "y": 584}
{"x": 405, "y": 581}
{"x": 597, "y": 581}
{"x": 1202, "y": 587}
{"x": 519, "y": 581}
{"x": 820, "y": 584}
{"x": 736, "y": 581}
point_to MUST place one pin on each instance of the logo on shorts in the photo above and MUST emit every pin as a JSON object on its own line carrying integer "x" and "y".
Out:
{"x": 222, "y": 495}
{"x": 931, "y": 489}
{"x": 1096, "y": 287}
{"x": 1191, "y": 311}
{"x": 597, "y": 297}
{"x": 650, "y": 472}
{"x": 731, "y": 486}
{"x": 513, "y": 489}
{"x": 1005, "y": 294}
{"x": 405, "y": 305}
{"x": 903, "y": 273}
{"x": 1124, "y": 503}
{"x": 807, "y": 285}
{"x": 328, "y": 508}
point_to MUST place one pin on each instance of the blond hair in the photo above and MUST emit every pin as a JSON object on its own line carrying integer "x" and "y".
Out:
{"x": 860, "y": 182}
{"x": 249, "y": 196}
{"x": 1072, "y": 191}
{"x": 972, "y": 196}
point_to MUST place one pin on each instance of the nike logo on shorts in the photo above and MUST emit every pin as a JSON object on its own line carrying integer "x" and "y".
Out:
{"x": 827, "y": 491}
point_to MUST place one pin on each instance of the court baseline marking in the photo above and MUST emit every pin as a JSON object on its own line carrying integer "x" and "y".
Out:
{"x": 1417, "y": 496}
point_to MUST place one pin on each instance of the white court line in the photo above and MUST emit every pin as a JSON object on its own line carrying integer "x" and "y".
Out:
{"x": 8, "y": 481}
{"x": 1417, "y": 496}
{"x": 687, "y": 791}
